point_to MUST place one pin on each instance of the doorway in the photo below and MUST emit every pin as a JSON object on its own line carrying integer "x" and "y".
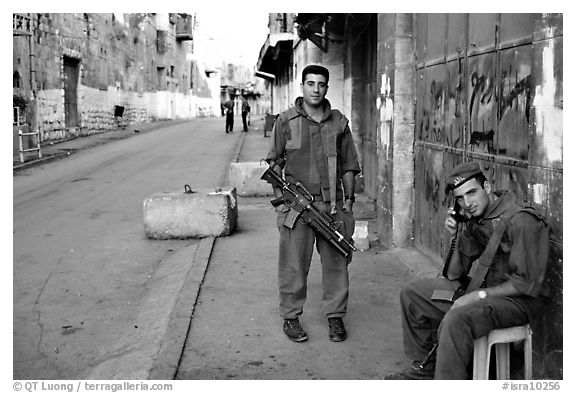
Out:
{"x": 71, "y": 74}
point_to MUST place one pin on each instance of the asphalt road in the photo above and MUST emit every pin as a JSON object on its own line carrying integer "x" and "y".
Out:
{"x": 81, "y": 261}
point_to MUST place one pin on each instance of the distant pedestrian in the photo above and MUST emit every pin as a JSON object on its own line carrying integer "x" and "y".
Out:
{"x": 313, "y": 144}
{"x": 229, "y": 108}
{"x": 245, "y": 112}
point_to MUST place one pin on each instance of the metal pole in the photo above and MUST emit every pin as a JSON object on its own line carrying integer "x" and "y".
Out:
{"x": 21, "y": 146}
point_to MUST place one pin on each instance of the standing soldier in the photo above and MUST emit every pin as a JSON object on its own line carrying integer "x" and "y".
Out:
{"x": 314, "y": 146}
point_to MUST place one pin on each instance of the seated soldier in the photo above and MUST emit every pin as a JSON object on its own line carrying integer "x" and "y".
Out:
{"x": 442, "y": 317}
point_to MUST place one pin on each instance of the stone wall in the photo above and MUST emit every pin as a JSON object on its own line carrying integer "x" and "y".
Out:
{"x": 119, "y": 62}
{"x": 50, "y": 106}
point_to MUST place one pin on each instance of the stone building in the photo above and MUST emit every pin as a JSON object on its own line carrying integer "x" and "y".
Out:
{"x": 79, "y": 73}
{"x": 425, "y": 92}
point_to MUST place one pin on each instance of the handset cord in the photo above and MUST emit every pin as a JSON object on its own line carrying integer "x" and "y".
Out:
{"x": 453, "y": 244}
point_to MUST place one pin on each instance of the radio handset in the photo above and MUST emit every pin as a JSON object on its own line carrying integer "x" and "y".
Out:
{"x": 457, "y": 215}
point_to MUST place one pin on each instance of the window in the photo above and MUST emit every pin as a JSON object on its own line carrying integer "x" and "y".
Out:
{"x": 161, "y": 81}
{"x": 18, "y": 118}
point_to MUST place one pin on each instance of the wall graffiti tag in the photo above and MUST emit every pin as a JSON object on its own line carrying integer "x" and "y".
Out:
{"x": 507, "y": 101}
{"x": 481, "y": 113}
{"x": 432, "y": 122}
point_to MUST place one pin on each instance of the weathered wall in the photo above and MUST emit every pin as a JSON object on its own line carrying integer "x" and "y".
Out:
{"x": 489, "y": 89}
{"x": 545, "y": 186}
{"x": 395, "y": 108}
{"x": 281, "y": 97}
{"x": 21, "y": 60}
{"x": 122, "y": 59}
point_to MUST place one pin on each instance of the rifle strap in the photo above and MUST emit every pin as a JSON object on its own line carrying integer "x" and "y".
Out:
{"x": 329, "y": 132}
{"x": 318, "y": 154}
{"x": 485, "y": 261}
{"x": 332, "y": 180}
{"x": 487, "y": 258}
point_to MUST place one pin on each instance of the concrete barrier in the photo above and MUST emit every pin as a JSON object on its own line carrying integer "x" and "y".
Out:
{"x": 245, "y": 177}
{"x": 200, "y": 214}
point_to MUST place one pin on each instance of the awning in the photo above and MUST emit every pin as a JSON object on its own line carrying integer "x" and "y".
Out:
{"x": 275, "y": 53}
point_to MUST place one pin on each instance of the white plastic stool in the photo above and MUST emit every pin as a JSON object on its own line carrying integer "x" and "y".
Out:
{"x": 502, "y": 338}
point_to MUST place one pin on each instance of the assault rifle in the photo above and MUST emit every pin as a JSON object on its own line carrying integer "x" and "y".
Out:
{"x": 297, "y": 197}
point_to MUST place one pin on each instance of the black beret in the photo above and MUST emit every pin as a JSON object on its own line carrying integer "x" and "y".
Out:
{"x": 461, "y": 174}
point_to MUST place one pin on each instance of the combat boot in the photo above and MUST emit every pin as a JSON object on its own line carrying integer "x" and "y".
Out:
{"x": 294, "y": 331}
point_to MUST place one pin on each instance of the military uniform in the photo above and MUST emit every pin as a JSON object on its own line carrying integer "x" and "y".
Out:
{"x": 521, "y": 259}
{"x": 304, "y": 148}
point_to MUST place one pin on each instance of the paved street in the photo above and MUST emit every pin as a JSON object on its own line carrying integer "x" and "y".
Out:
{"x": 93, "y": 298}
{"x": 81, "y": 261}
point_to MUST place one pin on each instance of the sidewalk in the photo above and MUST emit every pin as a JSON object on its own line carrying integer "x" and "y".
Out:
{"x": 236, "y": 331}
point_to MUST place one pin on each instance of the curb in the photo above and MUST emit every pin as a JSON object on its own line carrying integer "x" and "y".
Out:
{"x": 154, "y": 346}
{"x": 128, "y": 132}
{"x": 169, "y": 355}
{"x": 224, "y": 179}
{"x": 40, "y": 161}
{"x": 239, "y": 147}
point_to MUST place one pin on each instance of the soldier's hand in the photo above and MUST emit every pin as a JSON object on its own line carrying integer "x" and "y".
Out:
{"x": 347, "y": 207}
{"x": 469, "y": 298}
{"x": 450, "y": 222}
{"x": 280, "y": 208}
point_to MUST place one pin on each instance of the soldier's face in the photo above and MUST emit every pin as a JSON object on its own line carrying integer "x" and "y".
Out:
{"x": 472, "y": 197}
{"x": 314, "y": 89}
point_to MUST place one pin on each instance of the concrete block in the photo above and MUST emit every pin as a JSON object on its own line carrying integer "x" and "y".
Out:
{"x": 360, "y": 235}
{"x": 180, "y": 215}
{"x": 245, "y": 177}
